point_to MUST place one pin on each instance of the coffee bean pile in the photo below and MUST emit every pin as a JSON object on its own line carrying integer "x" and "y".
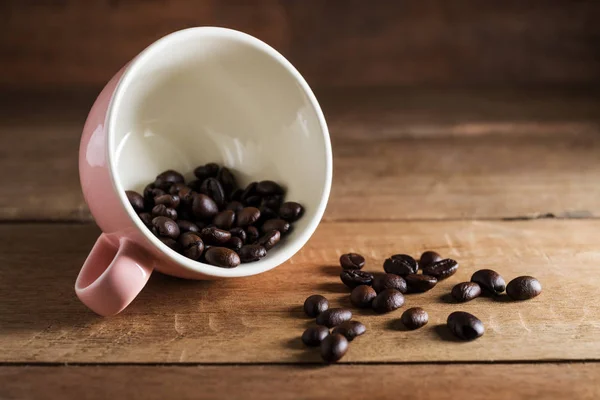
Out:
{"x": 210, "y": 219}
{"x": 385, "y": 293}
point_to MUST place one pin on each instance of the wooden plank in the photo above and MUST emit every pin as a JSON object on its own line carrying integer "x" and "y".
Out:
{"x": 397, "y": 155}
{"x": 259, "y": 319}
{"x": 489, "y": 382}
{"x": 67, "y": 43}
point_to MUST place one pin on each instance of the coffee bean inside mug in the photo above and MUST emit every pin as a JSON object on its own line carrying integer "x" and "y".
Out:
{"x": 232, "y": 224}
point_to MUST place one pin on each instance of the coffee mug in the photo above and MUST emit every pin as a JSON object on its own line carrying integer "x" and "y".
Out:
{"x": 195, "y": 96}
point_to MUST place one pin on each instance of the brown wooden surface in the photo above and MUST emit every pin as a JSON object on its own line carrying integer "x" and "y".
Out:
{"x": 515, "y": 382}
{"x": 70, "y": 43}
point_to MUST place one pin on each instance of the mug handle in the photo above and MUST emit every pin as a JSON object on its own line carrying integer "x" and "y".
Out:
{"x": 112, "y": 276}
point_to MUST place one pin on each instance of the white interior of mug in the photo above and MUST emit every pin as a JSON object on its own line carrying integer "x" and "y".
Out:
{"x": 216, "y": 95}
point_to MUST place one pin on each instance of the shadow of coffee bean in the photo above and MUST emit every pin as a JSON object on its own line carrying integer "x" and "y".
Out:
{"x": 396, "y": 325}
{"x": 332, "y": 269}
{"x": 447, "y": 298}
{"x": 445, "y": 334}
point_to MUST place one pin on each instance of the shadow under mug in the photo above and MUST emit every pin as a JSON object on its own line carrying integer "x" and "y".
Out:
{"x": 198, "y": 95}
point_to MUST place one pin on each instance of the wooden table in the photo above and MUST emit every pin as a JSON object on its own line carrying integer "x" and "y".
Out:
{"x": 508, "y": 180}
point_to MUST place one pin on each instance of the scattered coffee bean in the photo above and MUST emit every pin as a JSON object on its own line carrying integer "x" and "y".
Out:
{"x": 227, "y": 181}
{"x": 146, "y": 219}
{"x": 466, "y": 291}
{"x": 428, "y": 258}
{"x": 362, "y": 296}
{"x": 224, "y": 219}
{"x": 349, "y": 329}
{"x": 160, "y": 210}
{"x": 441, "y": 269}
{"x": 291, "y": 211}
{"x": 523, "y": 288}
{"x": 247, "y": 216}
{"x": 420, "y": 283}
{"x": 489, "y": 280}
{"x": 235, "y": 244}
{"x": 269, "y": 188}
{"x": 273, "y": 202}
{"x": 252, "y": 252}
{"x": 187, "y": 226}
{"x": 214, "y": 236}
{"x": 222, "y": 257}
{"x": 166, "y": 179}
{"x": 269, "y": 239}
{"x": 414, "y": 318}
{"x": 465, "y": 326}
{"x": 238, "y": 232}
{"x": 251, "y": 234}
{"x": 204, "y": 207}
{"x": 389, "y": 281}
{"x": 213, "y": 189}
{"x": 352, "y": 261}
{"x": 353, "y": 277}
{"x": 171, "y": 243}
{"x": 280, "y": 225}
{"x": 314, "y": 335}
{"x": 209, "y": 170}
{"x": 315, "y": 305}
{"x": 388, "y": 300}
{"x": 400, "y": 264}
{"x": 333, "y": 348}
{"x": 191, "y": 245}
{"x": 234, "y": 206}
{"x": 136, "y": 200}
{"x": 163, "y": 226}
{"x": 333, "y": 317}
{"x": 169, "y": 200}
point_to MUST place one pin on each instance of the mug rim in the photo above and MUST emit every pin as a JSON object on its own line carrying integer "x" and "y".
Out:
{"x": 198, "y": 267}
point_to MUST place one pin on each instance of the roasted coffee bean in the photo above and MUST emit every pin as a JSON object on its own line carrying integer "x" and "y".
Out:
{"x": 333, "y": 348}
{"x": 160, "y": 210}
{"x": 187, "y": 226}
{"x": 314, "y": 335}
{"x": 388, "y": 300}
{"x": 177, "y": 187}
{"x": 214, "y": 236}
{"x": 465, "y": 326}
{"x": 266, "y": 214}
{"x": 163, "y": 226}
{"x": 191, "y": 244}
{"x": 247, "y": 216}
{"x": 291, "y": 211}
{"x": 252, "y": 201}
{"x": 213, "y": 189}
{"x": 186, "y": 195}
{"x": 400, "y": 264}
{"x": 227, "y": 180}
{"x": 269, "y": 188}
{"x": 489, "y": 280}
{"x": 248, "y": 192}
{"x": 236, "y": 195}
{"x": 333, "y": 317}
{"x": 209, "y": 170}
{"x": 166, "y": 179}
{"x": 252, "y": 252}
{"x": 349, "y": 329}
{"x": 315, "y": 305}
{"x": 389, "y": 281}
{"x": 235, "y": 244}
{"x": 204, "y": 207}
{"x": 136, "y": 200}
{"x": 466, "y": 291}
{"x": 222, "y": 257}
{"x": 269, "y": 239}
{"x": 428, "y": 258}
{"x": 362, "y": 296}
{"x": 420, "y": 283}
{"x": 353, "y": 277}
{"x": 234, "y": 206}
{"x": 523, "y": 288}
{"x": 171, "y": 243}
{"x": 441, "y": 269}
{"x": 273, "y": 202}
{"x": 195, "y": 185}
{"x": 224, "y": 219}
{"x": 150, "y": 192}
{"x": 352, "y": 261}
{"x": 251, "y": 234}
{"x": 238, "y": 232}
{"x": 146, "y": 219}
{"x": 414, "y": 318}
{"x": 186, "y": 214}
{"x": 169, "y": 200}
{"x": 280, "y": 225}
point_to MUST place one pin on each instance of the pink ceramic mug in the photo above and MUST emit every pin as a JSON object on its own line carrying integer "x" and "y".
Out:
{"x": 195, "y": 96}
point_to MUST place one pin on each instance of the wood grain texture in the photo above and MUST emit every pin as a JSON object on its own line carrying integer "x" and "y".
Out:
{"x": 259, "y": 319}
{"x": 397, "y": 155}
{"x": 489, "y": 382}
{"x": 68, "y": 43}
